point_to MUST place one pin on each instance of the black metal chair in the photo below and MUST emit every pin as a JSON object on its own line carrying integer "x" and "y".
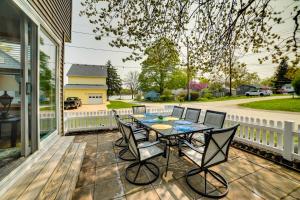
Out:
{"x": 143, "y": 152}
{"x": 177, "y": 112}
{"x": 119, "y": 142}
{"x": 214, "y": 152}
{"x": 140, "y": 134}
{"x": 139, "y": 109}
{"x": 192, "y": 114}
{"x": 214, "y": 119}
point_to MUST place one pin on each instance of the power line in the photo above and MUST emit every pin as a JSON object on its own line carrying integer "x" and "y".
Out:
{"x": 98, "y": 49}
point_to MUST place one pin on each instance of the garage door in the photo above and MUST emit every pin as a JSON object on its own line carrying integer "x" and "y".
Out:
{"x": 95, "y": 99}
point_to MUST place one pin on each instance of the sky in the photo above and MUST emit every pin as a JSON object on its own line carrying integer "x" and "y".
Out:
{"x": 85, "y": 49}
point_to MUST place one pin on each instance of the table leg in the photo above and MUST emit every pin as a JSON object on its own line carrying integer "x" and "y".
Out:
{"x": 168, "y": 158}
{"x": 13, "y": 139}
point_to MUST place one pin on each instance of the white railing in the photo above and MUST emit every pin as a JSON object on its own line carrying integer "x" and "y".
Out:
{"x": 99, "y": 120}
{"x": 275, "y": 136}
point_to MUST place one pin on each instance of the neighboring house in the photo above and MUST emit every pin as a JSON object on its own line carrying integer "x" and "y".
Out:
{"x": 242, "y": 89}
{"x": 10, "y": 67}
{"x": 88, "y": 82}
{"x": 287, "y": 88}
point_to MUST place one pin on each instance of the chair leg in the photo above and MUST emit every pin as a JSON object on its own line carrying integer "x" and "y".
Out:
{"x": 122, "y": 155}
{"x": 119, "y": 142}
{"x": 206, "y": 193}
{"x": 147, "y": 164}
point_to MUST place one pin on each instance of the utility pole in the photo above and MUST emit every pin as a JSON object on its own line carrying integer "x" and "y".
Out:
{"x": 188, "y": 69}
{"x": 230, "y": 72}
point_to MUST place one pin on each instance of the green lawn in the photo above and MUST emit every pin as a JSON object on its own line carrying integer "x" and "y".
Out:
{"x": 119, "y": 105}
{"x": 292, "y": 105}
{"x": 225, "y": 98}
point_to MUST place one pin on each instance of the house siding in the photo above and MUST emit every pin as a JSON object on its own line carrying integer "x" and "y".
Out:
{"x": 57, "y": 14}
{"x": 86, "y": 80}
{"x": 84, "y": 93}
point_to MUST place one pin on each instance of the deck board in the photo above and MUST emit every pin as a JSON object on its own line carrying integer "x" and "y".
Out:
{"x": 17, "y": 189}
{"x": 55, "y": 182}
{"x": 68, "y": 186}
{"x": 36, "y": 186}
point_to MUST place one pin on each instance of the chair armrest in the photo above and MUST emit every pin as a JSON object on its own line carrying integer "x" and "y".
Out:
{"x": 140, "y": 146}
{"x": 190, "y": 146}
{"x": 139, "y": 130}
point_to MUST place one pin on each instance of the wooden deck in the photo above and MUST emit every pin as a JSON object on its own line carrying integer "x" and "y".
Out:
{"x": 249, "y": 176}
{"x": 52, "y": 176}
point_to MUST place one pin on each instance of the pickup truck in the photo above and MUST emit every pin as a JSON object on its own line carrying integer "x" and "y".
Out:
{"x": 72, "y": 102}
{"x": 258, "y": 92}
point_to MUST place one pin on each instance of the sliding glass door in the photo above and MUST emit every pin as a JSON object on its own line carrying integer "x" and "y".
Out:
{"x": 18, "y": 64}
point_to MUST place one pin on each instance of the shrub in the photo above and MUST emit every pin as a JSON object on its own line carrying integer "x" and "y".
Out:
{"x": 296, "y": 84}
{"x": 138, "y": 97}
{"x": 166, "y": 97}
{"x": 207, "y": 94}
{"x": 194, "y": 96}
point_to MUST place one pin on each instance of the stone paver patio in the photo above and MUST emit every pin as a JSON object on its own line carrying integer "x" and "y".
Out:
{"x": 249, "y": 176}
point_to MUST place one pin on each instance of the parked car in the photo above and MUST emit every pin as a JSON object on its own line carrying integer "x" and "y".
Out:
{"x": 258, "y": 92}
{"x": 72, "y": 102}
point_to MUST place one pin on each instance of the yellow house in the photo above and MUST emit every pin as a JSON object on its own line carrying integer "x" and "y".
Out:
{"x": 88, "y": 82}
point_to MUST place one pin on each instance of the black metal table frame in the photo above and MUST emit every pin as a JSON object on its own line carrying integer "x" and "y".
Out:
{"x": 167, "y": 137}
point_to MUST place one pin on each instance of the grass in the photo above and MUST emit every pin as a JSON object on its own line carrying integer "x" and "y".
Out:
{"x": 225, "y": 98}
{"x": 119, "y": 105}
{"x": 292, "y": 105}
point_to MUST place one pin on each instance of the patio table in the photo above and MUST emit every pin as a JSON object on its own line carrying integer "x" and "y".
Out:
{"x": 169, "y": 127}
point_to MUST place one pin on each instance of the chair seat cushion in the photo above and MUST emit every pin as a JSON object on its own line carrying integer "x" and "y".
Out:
{"x": 149, "y": 152}
{"x": 140, "y": 136}
{"x": 193, "y": 155}
{"x": 199, "y": 137}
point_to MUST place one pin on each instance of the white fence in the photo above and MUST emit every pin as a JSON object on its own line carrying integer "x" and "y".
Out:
{"x": 278, "y": 137}
{"x": 100, "y": 120}
{"x": 281, "y": 138}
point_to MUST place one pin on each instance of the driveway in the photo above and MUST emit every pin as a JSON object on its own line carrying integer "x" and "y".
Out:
{"x": 231, "y": 107}
{"x": 88, "y": 108}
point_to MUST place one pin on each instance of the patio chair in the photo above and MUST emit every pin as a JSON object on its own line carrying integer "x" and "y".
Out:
{"x": 214, "y": 152}
{"x": 177, "y": 112}
{"x": 143, "y": 152}
{"x": 214, "y": 119}
{"x": 139, "y": 109}
{"x": 192, "y": 114}
{"x": 119, "y": 142}
{"x": 140, "y": 134}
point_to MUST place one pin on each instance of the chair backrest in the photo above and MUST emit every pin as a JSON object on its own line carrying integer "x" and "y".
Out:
{"x": 192, "y": 114}
{"x": 130, "y": 138}
{"x": 217, "y": 146}
{"x": 118, "y": 121}
{"x": 177, "y": 112}
{"x": 139, "y": 109}
{"x": 214, "y": 119}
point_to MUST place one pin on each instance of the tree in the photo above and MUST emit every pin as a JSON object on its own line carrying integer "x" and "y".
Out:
{"x": 177, "y": 80}
{"x": 132, "y": 81}
{"x": 113, "y": 80}
{"x": 267, "y": 81}
{"x": 45, "y": 76}
{"x": 211, "y": 31}
{"x": 162, "y": 59}
{"x": 292, "y": 72}
{"x": 280, "y": 75}
{"x": 296, "y": 84}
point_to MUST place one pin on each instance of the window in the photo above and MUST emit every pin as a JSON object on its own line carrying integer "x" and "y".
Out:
{"x": 48, "y": 87}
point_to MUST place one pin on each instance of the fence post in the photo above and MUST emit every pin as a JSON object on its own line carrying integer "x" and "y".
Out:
{"x": 110, "y": 114}
{"x": 288, "y": 140}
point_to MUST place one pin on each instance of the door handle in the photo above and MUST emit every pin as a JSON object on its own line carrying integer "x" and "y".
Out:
{"x": 28, "y": 88}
